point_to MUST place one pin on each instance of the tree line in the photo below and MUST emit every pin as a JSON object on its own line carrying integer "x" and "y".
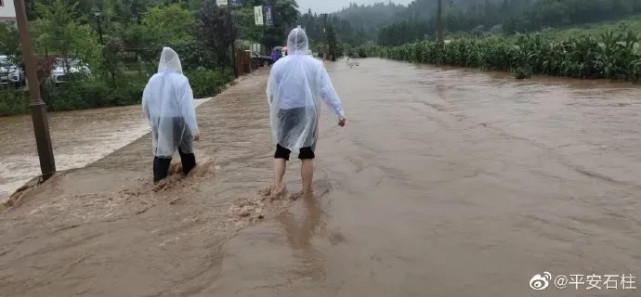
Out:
{"x": 500, "y": 17}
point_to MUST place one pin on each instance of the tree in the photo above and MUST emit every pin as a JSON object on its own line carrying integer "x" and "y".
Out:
{"x": 169, "y": 25}
{"x": 285, "y": 14}
{"x": 216, "y": 29}
{"x": 59, "y": 32}
{"x": 332, "y": 43}
{"x": 247, "y": 25}
{"x": 9, "y": 40}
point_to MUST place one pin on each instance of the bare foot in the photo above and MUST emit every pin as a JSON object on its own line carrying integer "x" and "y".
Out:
{"x": 300, "y": 195}
{"x": 308, "y": 193}
{"x": 278, "y": 193}
{"x": 295, "y": 196}
{"x": 265, "y": 192}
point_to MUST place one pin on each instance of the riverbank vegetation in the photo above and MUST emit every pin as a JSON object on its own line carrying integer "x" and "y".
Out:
{"x": 609, "y": 56}
{"x": 579, "y": 39}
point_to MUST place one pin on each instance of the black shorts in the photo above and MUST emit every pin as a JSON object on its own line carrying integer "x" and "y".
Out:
{"x": 305, "y": 153}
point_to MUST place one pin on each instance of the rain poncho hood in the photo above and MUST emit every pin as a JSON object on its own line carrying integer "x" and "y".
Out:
{"x": 168, "y": 104}
{"x": 297, "y": 84}
{"x": 297, "y": 42}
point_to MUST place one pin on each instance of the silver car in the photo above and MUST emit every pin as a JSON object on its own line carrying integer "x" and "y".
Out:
{"x": 60, "y": 72}
{"x": 10, "y": 73}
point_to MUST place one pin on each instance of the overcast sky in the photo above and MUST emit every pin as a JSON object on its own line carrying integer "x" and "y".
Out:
{"x": 322, "y": 6}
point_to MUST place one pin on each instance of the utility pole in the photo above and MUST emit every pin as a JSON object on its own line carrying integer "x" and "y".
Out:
{"x": 326, "y": 46}
{"x": 37, "y": 106}
{"x": 233, "y": 43}
{"x": 439, "y": 22}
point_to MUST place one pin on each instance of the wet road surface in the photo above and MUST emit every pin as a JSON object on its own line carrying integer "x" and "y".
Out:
{"x": 445, "y": 182}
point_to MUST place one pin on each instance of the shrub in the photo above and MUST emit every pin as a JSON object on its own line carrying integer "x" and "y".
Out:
{"x": 362, "y": 52}
{"x": 208, "y": 83}
{"x": 82, "y": 94}
{"x": 13, "y": 102}
{"x": 522, "y": 72}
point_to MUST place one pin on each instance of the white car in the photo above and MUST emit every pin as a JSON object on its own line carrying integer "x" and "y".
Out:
{"x": 59, "y": 73}
{"x": 10, "y": 73}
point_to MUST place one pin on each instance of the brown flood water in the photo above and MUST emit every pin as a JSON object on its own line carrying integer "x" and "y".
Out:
{"x": 445, "y": 182}
{"x": 79, "y": 138}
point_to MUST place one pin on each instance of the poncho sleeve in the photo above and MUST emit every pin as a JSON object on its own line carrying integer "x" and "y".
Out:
{"x": 329, "y": 95}
{"x": 188, "y": 111}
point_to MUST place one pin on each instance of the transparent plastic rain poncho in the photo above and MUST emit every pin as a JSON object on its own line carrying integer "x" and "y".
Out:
{"x": 168, "y": 104}
{"x": 296, "y": 85}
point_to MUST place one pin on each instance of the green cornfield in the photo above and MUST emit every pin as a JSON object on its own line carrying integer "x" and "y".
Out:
{"x": 610, "y": 56}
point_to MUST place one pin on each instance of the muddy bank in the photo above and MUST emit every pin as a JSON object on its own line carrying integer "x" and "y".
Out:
{"x": 445, "y": 183}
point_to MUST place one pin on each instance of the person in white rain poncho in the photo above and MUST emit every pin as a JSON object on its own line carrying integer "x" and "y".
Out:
{"x": 296, "y": 85}
{"x": 168, "y": 104}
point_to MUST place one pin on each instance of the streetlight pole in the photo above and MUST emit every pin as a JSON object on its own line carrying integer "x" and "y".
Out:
{"x": 37, "y": 106}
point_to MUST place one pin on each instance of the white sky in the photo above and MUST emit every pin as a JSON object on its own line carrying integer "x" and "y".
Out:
{"x": 323, "y": 6}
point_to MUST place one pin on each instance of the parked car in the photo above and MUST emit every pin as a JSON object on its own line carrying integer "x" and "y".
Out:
{"x": 60, "y": 73}
{"x": 259, "y": 60}
{"x": 10, "y": 73}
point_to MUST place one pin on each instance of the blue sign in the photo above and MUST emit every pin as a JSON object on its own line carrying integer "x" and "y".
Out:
{"x": 269, "y": 17}
{"x": 236, "y": 2}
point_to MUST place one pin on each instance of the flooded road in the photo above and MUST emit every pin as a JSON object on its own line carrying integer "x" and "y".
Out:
{"x": 445, "y": 182}
{"x": 79, "y": 138}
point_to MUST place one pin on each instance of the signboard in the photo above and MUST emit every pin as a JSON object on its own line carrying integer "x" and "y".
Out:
{"x": 236, "y": 2}
{"x": 269, "y": 16}
{"x": 7, "y": 10}
{"x": 258, "y": 15}
{"x": 222, "y": 3}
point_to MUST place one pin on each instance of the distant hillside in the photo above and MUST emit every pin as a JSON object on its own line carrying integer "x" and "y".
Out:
{"x": 631, "y": 24}
{"x": 370, "y": 16}
{"x": 355, "y": 24}
{"x": 501, "y": 16}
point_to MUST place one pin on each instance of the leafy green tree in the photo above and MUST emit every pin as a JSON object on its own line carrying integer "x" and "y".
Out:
{"x": 167, "y": 25}
{"x": 285, "y": 14}
{"x": 247, "y": 25}
{"x": 59, "y": 32}
{"x": 9, "y": 44}
{"x": 216, "y": 29}
{"x": 332, "y": 43}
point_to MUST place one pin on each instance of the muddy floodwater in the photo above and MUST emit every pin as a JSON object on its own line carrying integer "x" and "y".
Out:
{"x": 445, "y": 183}
{"x": 78, "y": 137}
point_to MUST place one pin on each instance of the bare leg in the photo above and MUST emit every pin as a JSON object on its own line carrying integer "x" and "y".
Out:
{"x": 278, "y": 187}
{"x": 307, "y": 174}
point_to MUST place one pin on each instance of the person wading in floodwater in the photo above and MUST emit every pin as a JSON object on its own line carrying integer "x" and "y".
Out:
{"x": 296, "y": 85}
{"x": 168, "y": 104}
